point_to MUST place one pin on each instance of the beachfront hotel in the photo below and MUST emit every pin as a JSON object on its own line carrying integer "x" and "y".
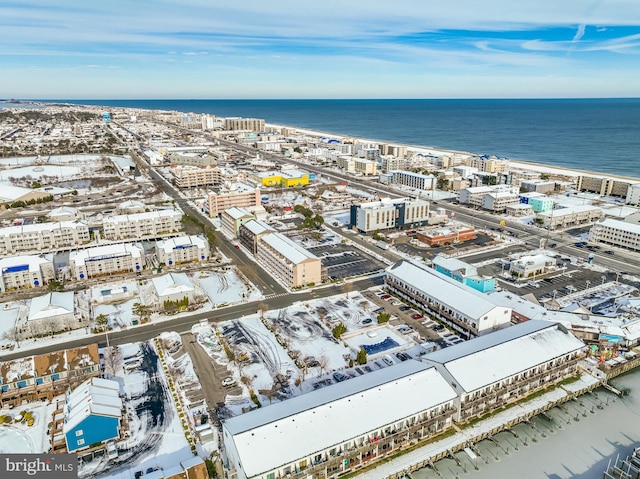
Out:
{"x": 105, "y": 260}
{"x": 468, "y": 312}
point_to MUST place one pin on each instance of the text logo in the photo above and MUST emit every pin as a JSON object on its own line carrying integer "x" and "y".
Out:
{"x": 38, "y": 466}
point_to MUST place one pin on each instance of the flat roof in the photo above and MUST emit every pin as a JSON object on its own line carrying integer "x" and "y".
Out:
{"x": 620, "y": 225}
{"x": 112, "y": 250}
{"x": 464, "y": 299}
{"x": 147, "y": 215}
{"x": 287, "y": 248}
{"x": 284, "y": 432}
{"x": 507, "y": 351}
{"x": 32, "y": 261}
{"x": 169, "y": 244}
{"x": 37, "y": 227}
{"x": 569, "y": 210}
{"x": 454, "y": 264}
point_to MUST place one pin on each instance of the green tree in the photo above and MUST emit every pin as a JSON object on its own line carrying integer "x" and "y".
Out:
{"x": 383, "y": 317}
{"x": 339, "y": 330}
{"x": 361, "y": 358}
{"x": 142, "y": 311}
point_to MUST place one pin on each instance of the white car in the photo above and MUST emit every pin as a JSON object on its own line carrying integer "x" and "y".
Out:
{"x": 226, "y": 382}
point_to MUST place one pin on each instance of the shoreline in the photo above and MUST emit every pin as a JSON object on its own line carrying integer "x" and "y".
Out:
{"x": 524, "y": 164}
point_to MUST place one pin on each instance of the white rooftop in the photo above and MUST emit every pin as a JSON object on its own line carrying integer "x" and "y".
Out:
{"x": 237, "y": 213}
{"x": 287, "y": 248}
{"x": 172, "y": 283}
{"x": 63, "y": 210}
{"x": 145, "y": 216}
{"x": 284, "y": 432}
{"x": 112, "y": 251}
{"x": 454, "y": 264}
{"x": 257, "y": 227}
{"x": 12, "y": 193}
{"x": 91, "y": 398}
{"x": 459, "y": 297}
{"x": 51, "y": 305}
{"x": 38, "y": 227}
{"x": 33, "y": 262}
{"x": 569, "y": 210}
{"x": 179, "y": 242}
{"x": 620, "y": 225}
{"x": 509, "y": 351}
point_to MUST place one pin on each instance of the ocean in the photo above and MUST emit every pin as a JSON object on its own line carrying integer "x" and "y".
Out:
{"x": 600, "y": 135}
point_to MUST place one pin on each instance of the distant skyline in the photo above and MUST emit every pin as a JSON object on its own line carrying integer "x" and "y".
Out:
{"x": 66, "y": 49}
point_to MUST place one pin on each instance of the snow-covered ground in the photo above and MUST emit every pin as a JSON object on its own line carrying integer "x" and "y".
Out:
{"x": 19, "y": 437}
{"x": 226, "y": 287}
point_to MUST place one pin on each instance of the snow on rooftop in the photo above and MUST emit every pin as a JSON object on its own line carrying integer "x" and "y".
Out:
{"x": 569, "y": 210}
{"x": 509, "y": 351}
{"x": 300, "y": 426}
{"x": 112, "y": 250}
{"x": 11, "y": 193}
{"x": 257, "y": 227}
{"x": 620, "y": 225}
{"x": 33, "y": 262}
{"x": 454, "y": 264}
{"x": 91, "y": 397}
{"x": 172, "y": 283}
{"x": 287, "y": 248}
{"x": 237, "y": 213}
{"x": 51, "y": 305}
{"x": 170, "y": 244}
{"x": 37, "y": 227}
{"x": 147, "y": 215}
{"x": 464, "y": 299}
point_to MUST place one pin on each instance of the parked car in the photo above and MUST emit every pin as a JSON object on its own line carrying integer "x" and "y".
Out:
{"x": 404, "y": 308}
{"x": 339, "y": 377}
{"x": 438, "y": 327}
{"x": 417, "y": 316}
{"x": 367, "y": 321}
{"x": 228, "y": 382}
{"x": 609, "y": 252}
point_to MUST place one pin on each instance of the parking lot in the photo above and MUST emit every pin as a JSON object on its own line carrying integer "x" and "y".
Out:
{"x": 343, "y": 261}
{"x": 402, "y": 244}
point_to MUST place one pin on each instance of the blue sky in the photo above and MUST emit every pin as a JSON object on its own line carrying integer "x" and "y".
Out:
{"x": 319, "y": 49}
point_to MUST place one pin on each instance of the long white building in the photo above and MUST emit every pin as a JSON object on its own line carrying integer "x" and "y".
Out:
{"x": 616, "y": 233}
{"x": 104, "y": 260}
{"x": 333, "y": 430}
{"x": 464, "y": 309}
{"x": 288, "y": 261}
{"x": 19, "y": 272}
{"x": 493, "y": 370}
{"x": 182, "y": 249}
{"x": 43, "y": 236}
{"x": 139, "y": 225}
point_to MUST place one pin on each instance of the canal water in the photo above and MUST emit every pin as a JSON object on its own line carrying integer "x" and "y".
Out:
{"x": 576, "y": 440}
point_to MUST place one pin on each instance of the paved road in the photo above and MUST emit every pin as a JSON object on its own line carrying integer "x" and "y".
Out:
{"x": 183, "y": 324}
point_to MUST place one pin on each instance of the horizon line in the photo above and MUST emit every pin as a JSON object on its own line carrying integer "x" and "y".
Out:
{"x": 327, "y": 99}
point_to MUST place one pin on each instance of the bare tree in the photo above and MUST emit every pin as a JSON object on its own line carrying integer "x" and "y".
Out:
{"x": 51, "y": 325}
{"x": 263, "y": 308}
{"x": 346, "y": 288}
{"x": 323, "y": 364}
{"x": 14, "y": 335}
{"x": 112, "y": 358}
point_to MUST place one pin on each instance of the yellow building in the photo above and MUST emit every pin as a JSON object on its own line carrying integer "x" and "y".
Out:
{"x": 288, "y": 178}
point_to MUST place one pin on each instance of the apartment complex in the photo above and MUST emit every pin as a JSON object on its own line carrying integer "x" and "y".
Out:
{"x": 499, "y": 201}
{"x": 104, "y": 260}
{"x": 233, "y": 218}
{"x": 43, "y": 236}
{"x": 194, "y": 176}
{"x": 467, "y": 311}
{"x": 139, "y": 225}
{"x": 182, "y": 249}
{"x": 239, "y": 196}
{"x": 293, "y": 265}
{"x": 539, "y": 202}
{"x": 617, "y": 233}
{"x": 538, "y": 186}
{"x": 387, "y": 214}
{"x": 570, "y": 216}
{"x": 19, "y": 272}
{"x": 488, "y": 164}
{"x": 200, "y": 159}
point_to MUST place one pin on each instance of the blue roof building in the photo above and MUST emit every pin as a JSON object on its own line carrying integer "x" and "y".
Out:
{"x": 92, "y": 414}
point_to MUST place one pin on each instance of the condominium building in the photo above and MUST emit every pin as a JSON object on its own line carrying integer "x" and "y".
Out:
{"x": 248, "y": 124}
{"x": 139, "y": 225}
{"x": 43, "y": 236}
{"x": 200, "y": 159}
{"x": 498, "y": 201}
{"x": 288, "y": 261}
{"x": 539, "y": 202}
{"x": 399, "y": 151}
{"x": 604, "y": 186}
{"x": 473, "y": 196}
{"x": 357, "y": 423}
{"x": 538, "y": 185}
{"x": 233, "y": 218}
{"x": 633, "y": 194}
{"x": 44, "y": 376}
{"x": 251, "y": 232}
{"x": 365, "y": 167}
{"x": 413, "y": 180}
{"x": 617, "y": 233}
{"x": 570, "y": 216}
{"x": 182, "y": 249}
{"x": 103, "y": 260}
{"x": 238, "y": 195}
{"x": 467, "y": 311}
{"x": 488, "y": 164}
{"x": 497, "y": 369}
{"x": 388, "y": 213}
{"x": 392, "y": 163}
{"x": 194, "y": 176}
{"x": 19, "y": 272}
